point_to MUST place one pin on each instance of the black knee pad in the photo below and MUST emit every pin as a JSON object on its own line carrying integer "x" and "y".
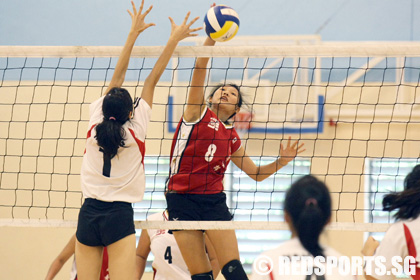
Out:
{"x": 203, "y": 276}
{"x": 233, "y": 270}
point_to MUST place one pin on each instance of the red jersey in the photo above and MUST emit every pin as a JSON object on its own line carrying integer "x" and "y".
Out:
{"x": 200, "y": 154}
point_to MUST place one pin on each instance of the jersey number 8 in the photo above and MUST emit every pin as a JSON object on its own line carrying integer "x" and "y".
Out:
{"x": 210, "y": 152}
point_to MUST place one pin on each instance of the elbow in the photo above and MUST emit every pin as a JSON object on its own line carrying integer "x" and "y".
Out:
{"x": 259, "y": 179}
{"x": 141, "y": 258}
{"x": 254, "y": 177}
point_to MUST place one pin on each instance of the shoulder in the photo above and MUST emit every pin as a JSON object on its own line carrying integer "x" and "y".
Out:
{"x": 139, "y": 105}
{"x": 97, "y": 102}
{"x": 397, "y": 233}
{"x": 95, "y": 110}
{"x": 139, "y": 102}
{"x": 204, "y": 115}
{"x": 412, "y": 223}
{"x": 396, "y": 228}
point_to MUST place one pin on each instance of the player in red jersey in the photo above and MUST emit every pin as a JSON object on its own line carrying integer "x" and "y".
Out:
{"x": 203, "y": 145}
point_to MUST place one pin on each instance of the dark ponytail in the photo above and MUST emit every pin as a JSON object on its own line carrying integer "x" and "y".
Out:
{"x": 308, "y": 203}
{"x": 408, "y": 201}
{"x": 116, "y": 109}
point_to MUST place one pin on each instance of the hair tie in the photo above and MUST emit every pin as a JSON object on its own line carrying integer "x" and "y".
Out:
{"x": 112, "y": 119}
{"x": 310, "y": 201}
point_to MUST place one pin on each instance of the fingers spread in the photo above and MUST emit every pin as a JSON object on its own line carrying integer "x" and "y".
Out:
{"x": 130, "y": 13}
{"x": 134, "y": 8}
{"x": 141, "y": 6}
{"x": 186, "y": 18}
{"x": 172, "y": 21}
{"x": 192, "y": 22}
{"x": 148, "y": 10}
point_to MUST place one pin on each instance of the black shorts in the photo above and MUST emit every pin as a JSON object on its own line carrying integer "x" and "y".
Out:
{"x": 103, "y": 223}
{"x": 197, "y": 207}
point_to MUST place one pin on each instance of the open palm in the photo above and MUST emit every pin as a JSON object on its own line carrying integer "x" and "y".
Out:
{"x": 290, "y": 152}
{"x": 137, "y": 18}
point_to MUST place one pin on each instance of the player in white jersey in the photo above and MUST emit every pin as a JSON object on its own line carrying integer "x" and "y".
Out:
{"x": 307, "y": 210}
{"x": 112, "y": 175}
{"x": 168, "y": 262}
{"x": 402, "y": 238}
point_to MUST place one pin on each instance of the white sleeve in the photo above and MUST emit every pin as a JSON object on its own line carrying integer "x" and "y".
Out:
{"x": 95, "y": 111}
{"x": 393, "y": 244}
{"x": 141, "y": 117}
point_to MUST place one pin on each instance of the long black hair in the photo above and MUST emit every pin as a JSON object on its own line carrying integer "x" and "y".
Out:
{"x": 116, "y": 109}
{"x": 408, "y": 201}
{"x": 308, "y": 203}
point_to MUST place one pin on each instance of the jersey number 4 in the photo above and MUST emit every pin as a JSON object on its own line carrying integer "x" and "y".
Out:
{"x": 168, "y": 254}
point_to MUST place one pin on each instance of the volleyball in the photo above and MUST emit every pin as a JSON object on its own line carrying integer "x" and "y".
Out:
{"x": 221, "y": 23}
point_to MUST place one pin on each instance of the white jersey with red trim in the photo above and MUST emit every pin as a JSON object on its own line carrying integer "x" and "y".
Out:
{"x": 200, "y": 154}
{"x": 168, "y": 262}
{"x": 290, "y": 248}
{"x": 124, "y": 179}
{"x": 401, "y": 239}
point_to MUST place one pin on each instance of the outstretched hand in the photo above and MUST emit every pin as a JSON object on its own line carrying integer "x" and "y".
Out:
{"x": 290, "y": 152}
{"x": 184, "y": 30}
{"x": 137, "y": 18}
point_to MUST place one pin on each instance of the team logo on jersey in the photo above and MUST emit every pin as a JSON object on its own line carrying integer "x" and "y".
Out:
{"x": 214, "y": 123}
{"x": 160, "y": 231}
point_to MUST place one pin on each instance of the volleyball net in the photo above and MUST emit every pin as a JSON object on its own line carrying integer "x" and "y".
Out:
{"x": 355, "y": 106}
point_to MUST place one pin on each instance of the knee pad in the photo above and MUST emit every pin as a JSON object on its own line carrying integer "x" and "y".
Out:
{"x": 233, "y": 270}
{"x": 203, "y": 276}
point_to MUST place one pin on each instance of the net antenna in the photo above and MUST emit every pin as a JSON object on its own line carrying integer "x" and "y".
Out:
{"x": 353, "y": 104}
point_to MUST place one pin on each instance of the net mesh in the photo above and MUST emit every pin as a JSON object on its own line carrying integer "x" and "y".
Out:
{"x": 354, "y": 106}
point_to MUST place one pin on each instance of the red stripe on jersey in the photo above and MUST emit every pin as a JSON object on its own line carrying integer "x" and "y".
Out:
{"x": 154, "y": 272}
{"x": 89, "y": 134}
{"x": 142, "y": 146}
{"x": 411, "y": 250}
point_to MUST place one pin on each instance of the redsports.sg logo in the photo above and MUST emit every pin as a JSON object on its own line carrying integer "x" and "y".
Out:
{"x": 330, "y": 265}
